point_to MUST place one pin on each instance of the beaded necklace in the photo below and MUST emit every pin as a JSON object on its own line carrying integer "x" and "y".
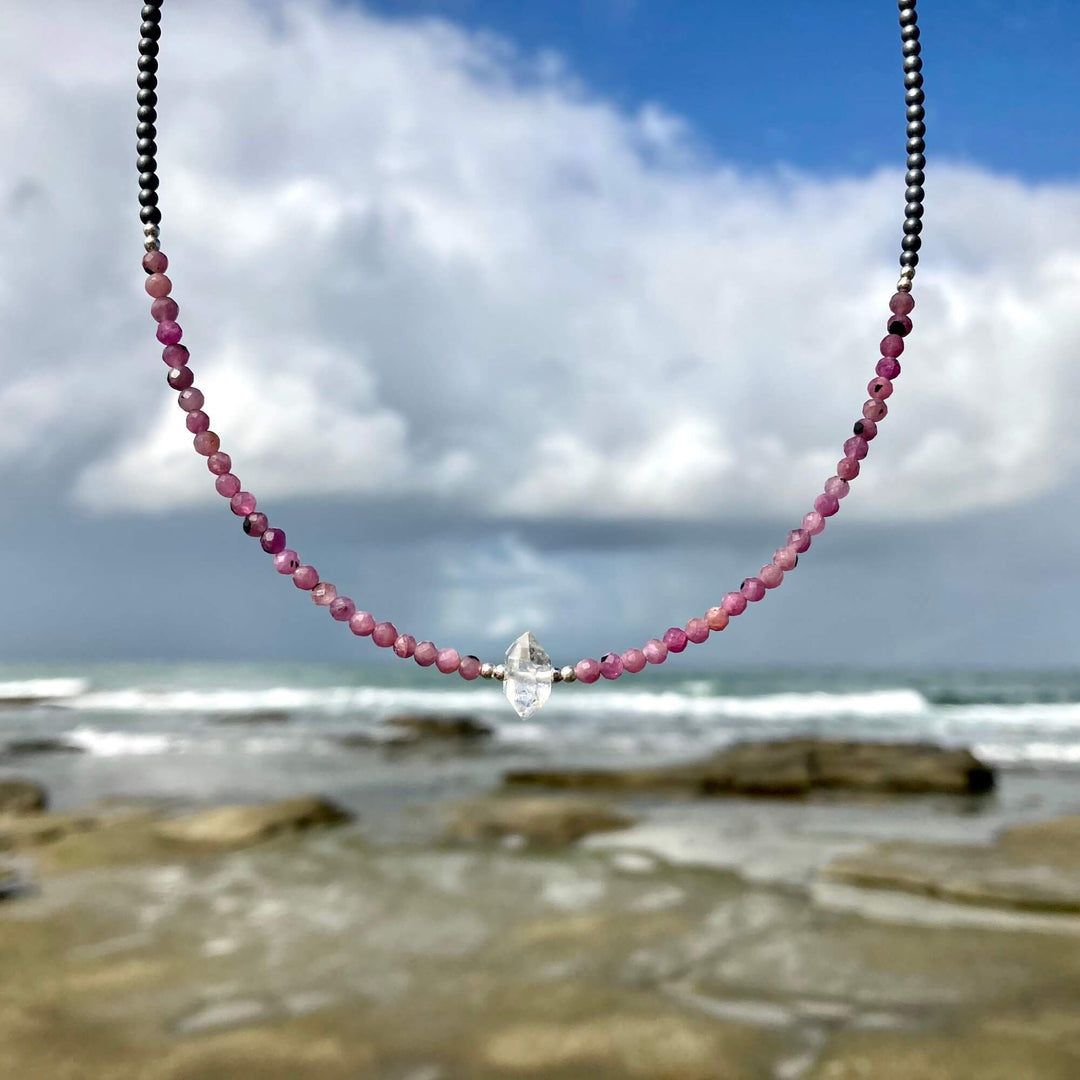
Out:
{"x": 527, "y": 673}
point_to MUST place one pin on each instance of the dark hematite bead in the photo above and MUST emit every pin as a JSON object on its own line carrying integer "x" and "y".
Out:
{"x": 916, "y": 161}
{"x": 913, "y": 210}
{"x": 150, "y": 215}
{"x": 909, "y": 258}
{"x": 148, "y": 63}
{"x": 147, "y": 197}
{"x": 916, "y": 112}
{"x": 912, "y": 226}
{"x": 914, "y": 193}
{"x": 146, "y": 147}
{"x": 146, "y": 114}
{"x": 146, "y": 98}
{"x": 911, "y": 243}
{"x": 148, "y": 46}
{"x": 151, "y": 13}
{"x": 914, "y": 177}
{"x": 148, "y": 180}
{"x": 909, "y": 33}
{"x": 150, "y": 30}
{"x": 913, "y": 80}
{"x": 913, "y": 63}
{"x": 147, "y": 163}
{"x": 147, "y": 80}
{"x": 916, "y": 129}
{"x": 916, "y": 145}
{"x": 145, "y": 131}
{"x": 914, "y": 96}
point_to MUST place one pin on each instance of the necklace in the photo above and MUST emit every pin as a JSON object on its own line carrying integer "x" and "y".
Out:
{"x": 527, "y": 673}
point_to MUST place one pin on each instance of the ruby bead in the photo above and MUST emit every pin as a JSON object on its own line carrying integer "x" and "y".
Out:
{"x": 734, "y": 603}
{"x": 814, "y": 522}
{"x": 425, "y": 653}
{"x": 633, "y": 660}
{"x": 655, "y": 651}
{"x": 469, "y": 668}
{"x": 361, "y": 623}
{"x": 341, "y": 609}
{"x": 879, "y": 389}
{"x": 242, "y": 503}
{"x": 190, "y": 399}
{"x": 771, "y": 576}
{"x": 675, "y": 639}
{"x": 155, "y": 262}
{"x": 404, "y": 646}
{"x": 180, "y": 378}
{"x": 206, "y": 443}
{"x": 866, "y": 428}
{"x": 273, "y": 541}
{"x": 287, "y": 561}
{"x": 753, "y": 589}
{"x": 611, "y": 665}
{"x": 901, "y": 303}
{"x": 158, "y": 285}
{"x": 169, "y": 332}
{"x": 847, "y": 468}
{"x": 697, "y": 631}
{"x": 837, "y": 486}
{"x": 219, "y": 463}
{"x": 587, "y": 670}
{"x": 197, "y": 422}
{"x": 256, "y": 524}
{"x": 888, "y": 367}
{"x": 227, "y": 485}
{"x": 717, "y": 618}
{"x": 900, "y": 325}
{"x": 875, "y": 410}
{"x": 384, "y": 635}
{"x": 856, "y": 447}
{"x": 447, "y": 660}
{"x": 306, "y": 577}
{"x": 323, "y": 594}
{"x": 826, "y": 505}
{"x": 786, "y": 558}
{"x": 175, "y": 355}
{"x": 164, "y": 309}
{"x": 799, "y": 540}
{"x": 892, "y": 345}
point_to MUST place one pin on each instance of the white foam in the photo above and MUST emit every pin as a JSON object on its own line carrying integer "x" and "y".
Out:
{"x": 42, "y": 689}
{"x": 123, "y": 743}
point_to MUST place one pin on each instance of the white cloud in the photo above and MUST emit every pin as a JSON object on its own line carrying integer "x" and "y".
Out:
{"x": 411, "y": 263}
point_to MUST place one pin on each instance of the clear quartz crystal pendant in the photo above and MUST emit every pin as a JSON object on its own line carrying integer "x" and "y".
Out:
{"x": 528, "y": 675}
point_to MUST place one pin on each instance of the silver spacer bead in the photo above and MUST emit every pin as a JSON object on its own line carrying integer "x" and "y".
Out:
{"x": 499, "y": 672}
{"x": 566, "y": 674}
{"x": 151, "y": 234}
{"x": 487, "y": 670}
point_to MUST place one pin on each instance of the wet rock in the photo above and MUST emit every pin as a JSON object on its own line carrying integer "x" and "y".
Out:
{"x": 240, "y": 826}
{"x": 792, "y": 767}
{"x": 29, "y": 747}
{"x": 258, "y": 716}
{"x": 32, "y": 830}
{"x": 549, "y": 822}
{"x": 22, "y": 797}
{"x": 421, "y": 726}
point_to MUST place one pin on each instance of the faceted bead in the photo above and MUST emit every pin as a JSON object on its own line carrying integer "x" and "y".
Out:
{"x": 175, "y": 355}
{"x": 287, "y": 561}
{"x": 158, "y": 285}
{"x": 206, "y": 443}
{"x": 753, "y": 589}
{"x": 888, "y": 367}
{"x": 155, "y": 262}
{"x": 404, "y": 646}
{"x": 611, "y": 665}
{"x": 837, "y": 486}
{"x": 227, "y": 485}
{"x": 847, "y": 468}
{"x": 633, "y": 660}
{"x": 875, "y": 410}
{"x": 856, "y": 447}
{"x": 361, "y": 623}
{"x": 306, "y": 577}
{"x": 256, "y": 524}
{"x": 341, "y": 609}
{"x": 866, "y": 428}
{"x": 425, "y": 653}
{"x": 190, "y": 399}
{"x": 717, "y": 618}
{"x": 384, "y": 635}
{"x": 902, "y": 303}
{"x": 814, "y": 523}
{"x": 242, "y": 503}
{"x": 587, "y": 670}
{"x": 798, "y": 540}
{"x": 219, "y": 463}
{"x": 892, "y": 345}
{"x": 323, "y": 594}
{"x": 826, "y": 505}
{"x": 771, "y": 576}
{"x": 447, "y": 660}
{"x": 879, "y": 389}
{"x": 272, "y": 541}
{"x": 469, "y": 668}
{"x": 180, "y": 378}
{"x": 697, "y": 631}
{"x": 655, "y": 651}
{"x": 164, "y": 309}
{"x": 529, "y": 674}
{"x": 169, "y": 332}
{"x": 786, "y": 558}
{"x": 675, "y": 639}
{"x": 734, "y": 603}
{"x": 900, "y": 325}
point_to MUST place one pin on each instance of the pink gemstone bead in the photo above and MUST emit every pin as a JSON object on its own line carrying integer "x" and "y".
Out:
{"x": 219, "y": 463}
{"x": 425, "y": 653}
{"x": 404, "y": 646}
{"x": 227, "y": 485}
{"x": 826, "y": 505}
{"x": 837, "y": 486}
{"x": 155, "y": 262}
{"x": 587, "y": 670}
{"x": 341, "y": 609}
{"x": 717, "y": 618}
{"x": 256, "y": 524}
{"x": 611, "y": 665}
{"x": 180, "y": 378}
{"x": 753, "y": 589}
{"x": 892, "y": 345}
{"x": 190, "y": 399}
{"x": 361, "y": 623}
{"x": 879, "y": 389}
{"x": 847, "y": 468}
{"x": 798, "y": 540}
{"x": 175, "y": 355}
{"x": 888, "y": 367}
{"x": 697, "y": 631}
{"x": 242, "y": 503}
{"x": 875, "y": 410}
{"x": 633, "y": 660}
{"x": 734, "y": 603}
{"x": 197, "y": 421}
{"x": 206, "y": 443}
{"x": 866, "y": 428}
{"x": 902, "y": 303}
{"x": 785, "y": 558}
{"x": 287, "y": 561}
{"x": 306, "y": 577}
{"x": 469, "y": 668}
{"x": 655, "y": 651}
{"x": 169, "y": 332}
{"x": 814, "y": 523}
{"x": 164, "y": 309}
{"x": 158, "y": 285}
{"x": 675, "y": 639}
{"x": 272, "y": 541}
{"x": 856, "y": 448}
{"x": 771, "y": 576}
{"x": 384, "y": 635}
{"x": 447, "y": 660}
{"x": 324, "y": 594}
{"x": 900, "y": 325}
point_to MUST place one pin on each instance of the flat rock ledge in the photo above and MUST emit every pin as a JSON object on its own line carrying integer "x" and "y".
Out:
{"x": 1030, "y": 868}
{"x": 791, "y": 767}
{"x": 22, "y": 797}
{"x": 552, "y": 821}
{"x": 239, "y": 826}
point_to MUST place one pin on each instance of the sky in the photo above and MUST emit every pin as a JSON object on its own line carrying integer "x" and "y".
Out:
{"x": 548, "y": 317}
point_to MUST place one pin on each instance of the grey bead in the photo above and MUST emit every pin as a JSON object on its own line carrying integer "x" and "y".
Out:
{"x": 913, "y": 80}
{"x": 146, "y": 97}
{"x": 916, "y": 161}
{"x": 914, "y": 96}
{"x": 914, "y": 193}
{"x": 150, "y": 215}
{"x": 151, "y": 13}
{"x": 146, "y": 163}
{"x": 913, "y": 178}
{"x": 909, "y": 33}
{"x": 915, "y": 146}
{"x": 148, "y": 180}
{"x": 148, "y": 47}
{"x": 908, "y": 17}
{"x": 916, "y": 112}
{"x": 146, "y": 131}
{"x": 909, "y": 258}
{"x": 148, "y": 63}
{"x": 916, "y": 129}
{"x": 913, "y": 210}
{"x": 904, "y": 4}
{"x": 146, "y": 148}
{"x": 911, "y": 48}
{"x": 147, "y": 198}
{"x": 912, "y": 226}
{"x": 150, "y": 30}
{"x": 146, "y": 114}
{"x": 912, "y": 64}
{"x": 147, "y": 80}
{"x": 911, "y": 243}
